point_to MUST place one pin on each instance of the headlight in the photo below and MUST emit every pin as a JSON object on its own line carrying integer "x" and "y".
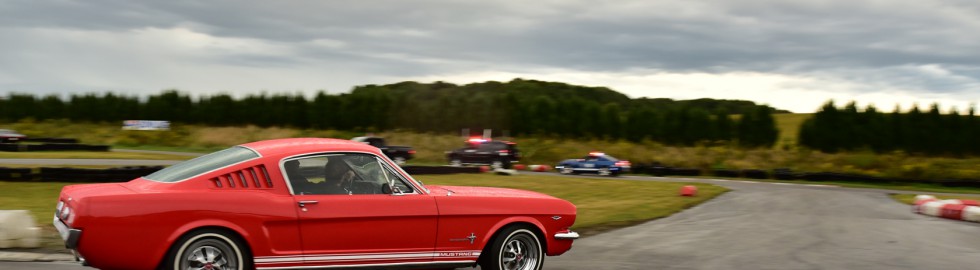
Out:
{"x": 60, "y": 205}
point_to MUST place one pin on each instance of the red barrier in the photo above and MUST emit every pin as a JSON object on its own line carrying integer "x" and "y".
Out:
{"x": 689, "y": 191}
{"x": 970, "y": 202}
{"x": 484, "y": 168}
{"x": 520, "y": 167}
{"x": 952, "y": 211}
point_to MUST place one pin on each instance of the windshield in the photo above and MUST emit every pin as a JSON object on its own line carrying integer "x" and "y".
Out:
{"x": 202, "y": 164}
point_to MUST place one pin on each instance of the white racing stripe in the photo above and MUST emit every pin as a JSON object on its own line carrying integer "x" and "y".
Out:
{"x": 366, "y": 256}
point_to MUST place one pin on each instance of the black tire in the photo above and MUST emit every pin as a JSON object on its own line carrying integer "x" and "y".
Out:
{"x": 231, "y": 252}
{"x": 455, "y": 161}
{"x": 566, "y": 169}
{"x": 514, "y": 248}
{"x": 606, "y": 172}
{"x": 498, "y": 164}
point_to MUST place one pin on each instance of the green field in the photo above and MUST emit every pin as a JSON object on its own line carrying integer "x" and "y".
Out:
{"x": 789, "y": 126}
{"x": 431, "y": 148}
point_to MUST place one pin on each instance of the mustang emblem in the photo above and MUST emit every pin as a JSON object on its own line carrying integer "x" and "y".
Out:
{"x": 556, "y": 217}
{"x": 470, "y": 238}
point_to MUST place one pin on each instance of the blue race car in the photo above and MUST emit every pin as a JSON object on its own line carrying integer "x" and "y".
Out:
{"x": 595, "y": 162}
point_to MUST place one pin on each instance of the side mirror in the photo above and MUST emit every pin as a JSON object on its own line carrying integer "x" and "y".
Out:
{"x": 386, "y": 189}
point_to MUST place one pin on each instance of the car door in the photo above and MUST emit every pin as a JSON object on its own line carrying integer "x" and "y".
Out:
{"x": 356, "y": 222}
{"x": 468, "y": 153}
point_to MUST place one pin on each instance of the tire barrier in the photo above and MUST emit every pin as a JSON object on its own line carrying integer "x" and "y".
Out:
{"x": 539, "y": 168}
{"x": 784, "y": 174}
{"x": 51, "y": 140}
{"x": 755, "y": 174}
{"x": 967, "y": 210}
{"x": 16, "y": 174}
{"x": 19, "y": 147}
{"x": 725, "y": 173}
{"x": 419, "y": 170}
{"x": 17, "y": 230}
{"x": 76, "y": 175}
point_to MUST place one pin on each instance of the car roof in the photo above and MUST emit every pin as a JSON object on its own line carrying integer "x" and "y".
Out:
{"x": 294, "y": 146}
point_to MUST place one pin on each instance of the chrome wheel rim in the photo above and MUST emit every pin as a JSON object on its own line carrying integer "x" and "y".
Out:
{"x": 604, "y": 172}
{"x": 497, "y": 164}
{"x": 521, "y": 252}
{"x": 400, "y": 160}
{"x": 455, "y": 163}
{"x": 566, "y": 170}
{"x": 207, "y": 257}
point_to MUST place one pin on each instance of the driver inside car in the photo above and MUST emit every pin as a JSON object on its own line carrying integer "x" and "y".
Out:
{"x": 338, "y": 177}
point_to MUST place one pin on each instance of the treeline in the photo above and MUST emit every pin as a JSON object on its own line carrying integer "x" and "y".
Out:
{"x": 519, "y": 107}
{"x": 931, "y": 132}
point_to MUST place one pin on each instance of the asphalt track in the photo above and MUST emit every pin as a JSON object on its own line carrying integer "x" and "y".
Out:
{"x": 769, "y": 226}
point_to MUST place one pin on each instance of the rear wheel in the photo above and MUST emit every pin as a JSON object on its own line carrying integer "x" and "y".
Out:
{"x": 497, "y": 164}
{"x": 515, "y": 248}
{"x": 455, "y": 162}
{"x": 605, "y": 172}
{"x": 208, "y": 249}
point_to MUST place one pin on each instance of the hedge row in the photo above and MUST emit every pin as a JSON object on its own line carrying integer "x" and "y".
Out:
{"x": 16, "y": 147}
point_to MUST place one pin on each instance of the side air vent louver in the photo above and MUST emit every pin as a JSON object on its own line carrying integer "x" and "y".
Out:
{"x": 251, "y": 177}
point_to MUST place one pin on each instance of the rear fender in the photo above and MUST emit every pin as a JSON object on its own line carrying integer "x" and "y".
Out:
{"x": 182, "y": 230}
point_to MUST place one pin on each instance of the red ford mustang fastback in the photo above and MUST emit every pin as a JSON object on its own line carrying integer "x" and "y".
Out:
{"x": 306, "y": 203}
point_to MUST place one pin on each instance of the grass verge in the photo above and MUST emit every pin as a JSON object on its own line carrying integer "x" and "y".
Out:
{"x": 603, "y": 203}
{"x": 910, "y": 198}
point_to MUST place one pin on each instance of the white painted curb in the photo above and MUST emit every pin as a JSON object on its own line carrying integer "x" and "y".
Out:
{"x": 951, "y": 209}
{"x": 931, "y": 208}
{"x": 971, "y": 213}
{"x": 17, "y": 229}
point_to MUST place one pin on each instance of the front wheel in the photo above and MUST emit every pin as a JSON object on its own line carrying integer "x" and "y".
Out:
{"x": 567, "y": 169}
{"x": 455, "y": 162}
{"x": 208, "y": 249}
{"x": 516, "y": 248}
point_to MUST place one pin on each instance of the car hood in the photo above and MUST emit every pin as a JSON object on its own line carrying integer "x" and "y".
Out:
{"x": 484, "y": 192}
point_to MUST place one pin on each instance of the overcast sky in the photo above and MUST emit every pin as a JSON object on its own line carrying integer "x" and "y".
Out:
{"x": 793, "y": 55}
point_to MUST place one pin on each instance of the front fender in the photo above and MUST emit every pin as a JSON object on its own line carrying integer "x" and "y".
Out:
{"x": 515, "y": 220}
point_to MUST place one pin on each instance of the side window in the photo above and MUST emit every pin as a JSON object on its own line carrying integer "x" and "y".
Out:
{"x": 398, "y": 182}
{"x": 344, "y": 174}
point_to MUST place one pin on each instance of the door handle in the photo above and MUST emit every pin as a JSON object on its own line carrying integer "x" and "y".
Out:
{"x": 304, "y": 203}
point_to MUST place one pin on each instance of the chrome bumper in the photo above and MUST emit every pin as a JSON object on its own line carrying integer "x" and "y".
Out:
{"x": 570, "y": 235}
{"x": 70, "y": 236}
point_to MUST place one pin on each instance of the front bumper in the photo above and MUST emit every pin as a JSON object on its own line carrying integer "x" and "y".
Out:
{"x": 70, "y": 236}
{"x": 567, "y": 235}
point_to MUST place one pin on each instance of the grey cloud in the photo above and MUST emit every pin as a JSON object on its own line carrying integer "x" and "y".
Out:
{"x": 412, "y": 38}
